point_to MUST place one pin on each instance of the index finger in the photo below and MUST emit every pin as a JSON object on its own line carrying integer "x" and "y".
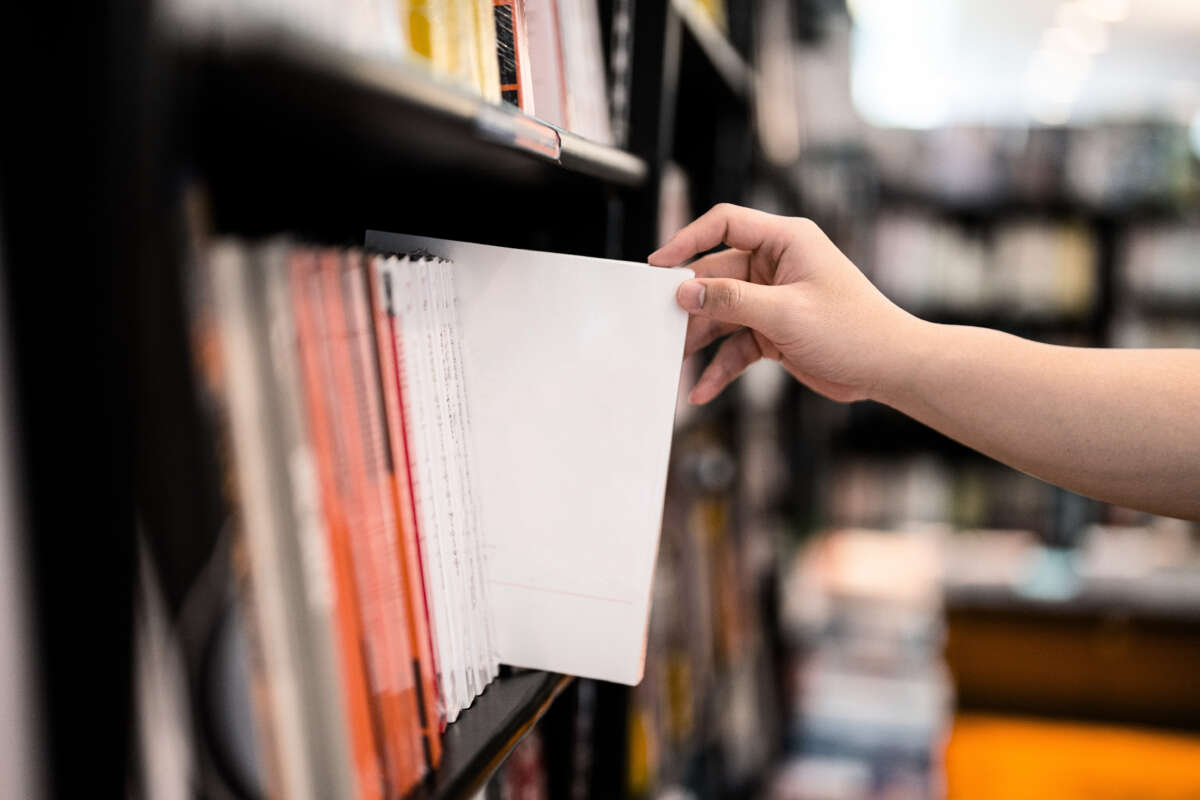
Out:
{"x": 738, "y": 227}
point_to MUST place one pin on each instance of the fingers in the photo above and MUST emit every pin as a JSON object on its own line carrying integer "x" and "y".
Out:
{"x": 725, "y": 264}
{"x": 701, "y": 332}
{"x": 740, "y": 228}
{"x": 733, "y": 356}
{"x": 733, "y": 301}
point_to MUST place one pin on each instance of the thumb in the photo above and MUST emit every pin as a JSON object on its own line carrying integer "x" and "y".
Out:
{"x": 728, "y": 300}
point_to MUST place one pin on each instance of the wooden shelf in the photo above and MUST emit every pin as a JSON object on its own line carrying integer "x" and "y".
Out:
{"x": 399, "y": 105}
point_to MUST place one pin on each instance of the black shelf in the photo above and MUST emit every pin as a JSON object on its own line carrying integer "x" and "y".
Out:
{"x": 877, "y": 430}
{"x": 716, "y": 47}
{"x": 1010, "y": 206}
{"x": 1163, "y": 306}
{"x": 1144, "y": 599}
{"x": 398, "y": 106}
{"x": 483, "y": 736}
{"x": 1050, "y": 325}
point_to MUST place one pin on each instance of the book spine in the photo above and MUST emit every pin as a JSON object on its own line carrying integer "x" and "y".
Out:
{"x": 489, "y": 67}
{"x": 382, "y": 287}
{"x": 378, "y": 598}
{"x": 381, "y": 489}
{"x": 207, "y": 330}
{"x": 362, "y": 715}
{"x": 510, "y": 52}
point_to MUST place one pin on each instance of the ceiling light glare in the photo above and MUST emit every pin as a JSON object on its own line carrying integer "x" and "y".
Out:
{"x": 1079, "y": 30}
{"x": 1059, "y": 66}
{"x": 1107, "y": 10}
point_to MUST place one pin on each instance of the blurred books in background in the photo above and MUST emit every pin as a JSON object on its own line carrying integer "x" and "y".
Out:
{"x": 1020, "y": 269}
{"x": 871, "y": 697}
{"x": 1116, "y": 166}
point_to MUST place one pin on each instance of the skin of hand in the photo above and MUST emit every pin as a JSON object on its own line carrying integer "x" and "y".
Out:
{"x": 1122, "y": 426}
{"x": 786, "y": 293}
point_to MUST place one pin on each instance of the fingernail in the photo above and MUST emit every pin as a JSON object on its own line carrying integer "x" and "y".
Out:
{"x": 691, "y": 296}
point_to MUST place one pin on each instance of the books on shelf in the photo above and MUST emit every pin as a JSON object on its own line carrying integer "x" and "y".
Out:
{"x": 1025, "y": 269}
{"x": 542, "y": 56}
{"x": 441, "y": 457}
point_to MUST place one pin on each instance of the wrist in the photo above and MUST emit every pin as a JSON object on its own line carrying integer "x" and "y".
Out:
{"x": 911, "y": 346}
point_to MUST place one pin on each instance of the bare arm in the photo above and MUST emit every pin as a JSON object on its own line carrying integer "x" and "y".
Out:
{"x": 1118, "y": 425}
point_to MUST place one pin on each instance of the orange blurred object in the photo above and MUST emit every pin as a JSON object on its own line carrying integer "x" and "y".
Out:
{"x": 1011, "y": 758}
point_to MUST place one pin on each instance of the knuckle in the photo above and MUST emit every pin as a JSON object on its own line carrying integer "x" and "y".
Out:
{"x": 724, "y": 296}
{"x": 723, "y": 208}
{"x": 804, "y": 225}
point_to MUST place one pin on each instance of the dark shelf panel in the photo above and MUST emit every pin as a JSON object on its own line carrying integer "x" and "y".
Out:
{"x": 1127, "y": 599}
{"x": 399, "y": 106}
{"x": 1033, "y": 326}
{"x": 1012, "y": 207}
{"x": 716, "y": 47}
{"x": 878, "y": 430}
{"x": 483, "y": 736}
{"x": 1182, "y": 307}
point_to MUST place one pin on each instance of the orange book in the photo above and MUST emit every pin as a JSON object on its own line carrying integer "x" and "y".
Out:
{"x": 361, "y": 719}
{"x": 389, "y": 359}
{"x": 383, "y": 516}
{"x": 379, "y": 594}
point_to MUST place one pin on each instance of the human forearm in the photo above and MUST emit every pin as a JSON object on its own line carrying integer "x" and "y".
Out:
{"x": 1118, "y": 425}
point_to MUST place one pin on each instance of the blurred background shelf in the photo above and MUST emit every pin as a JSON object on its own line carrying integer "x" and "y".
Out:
{"x": 993, "y": 209}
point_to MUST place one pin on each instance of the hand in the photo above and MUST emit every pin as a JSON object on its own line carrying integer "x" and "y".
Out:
{"x": 785, "y": 292}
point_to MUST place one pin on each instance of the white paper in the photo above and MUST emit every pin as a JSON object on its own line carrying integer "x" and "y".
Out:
{"x": 571, "y": 366}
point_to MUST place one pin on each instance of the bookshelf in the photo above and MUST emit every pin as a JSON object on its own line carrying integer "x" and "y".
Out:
{"x": 408, "y": 109}
{"x": 267, "y": 133}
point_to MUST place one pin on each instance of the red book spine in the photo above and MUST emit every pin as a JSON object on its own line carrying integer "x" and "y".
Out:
{"x": 383, "y": 515}
{"x": 379, "y": 599}
{"x": 387, "y": 338}
{"x": 361, "y": 718}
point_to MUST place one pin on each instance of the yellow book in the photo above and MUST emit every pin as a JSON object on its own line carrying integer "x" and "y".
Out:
{"x": 419, "y": 17}
{"x": 485, "y": 43}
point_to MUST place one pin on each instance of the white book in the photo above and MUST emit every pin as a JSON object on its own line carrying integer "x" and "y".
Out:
{"x": 570, "y": 368}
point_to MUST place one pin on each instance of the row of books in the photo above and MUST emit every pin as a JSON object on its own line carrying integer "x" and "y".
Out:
{"x": 1134, "y": 329}
{"x": 709, "y": 695}
{"x": 1111, "y": 166}
{"x": 1023, "y": 269}
{"x": 881, "y": 493}
{"x": 542, "y": 56}
{"x": 1151, "y": 553}
{"x": 380, "y": 636}
{"x": 873, "y": 699}
{"x": 426, "y": 480}
{"x": 1158, "y": 263}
